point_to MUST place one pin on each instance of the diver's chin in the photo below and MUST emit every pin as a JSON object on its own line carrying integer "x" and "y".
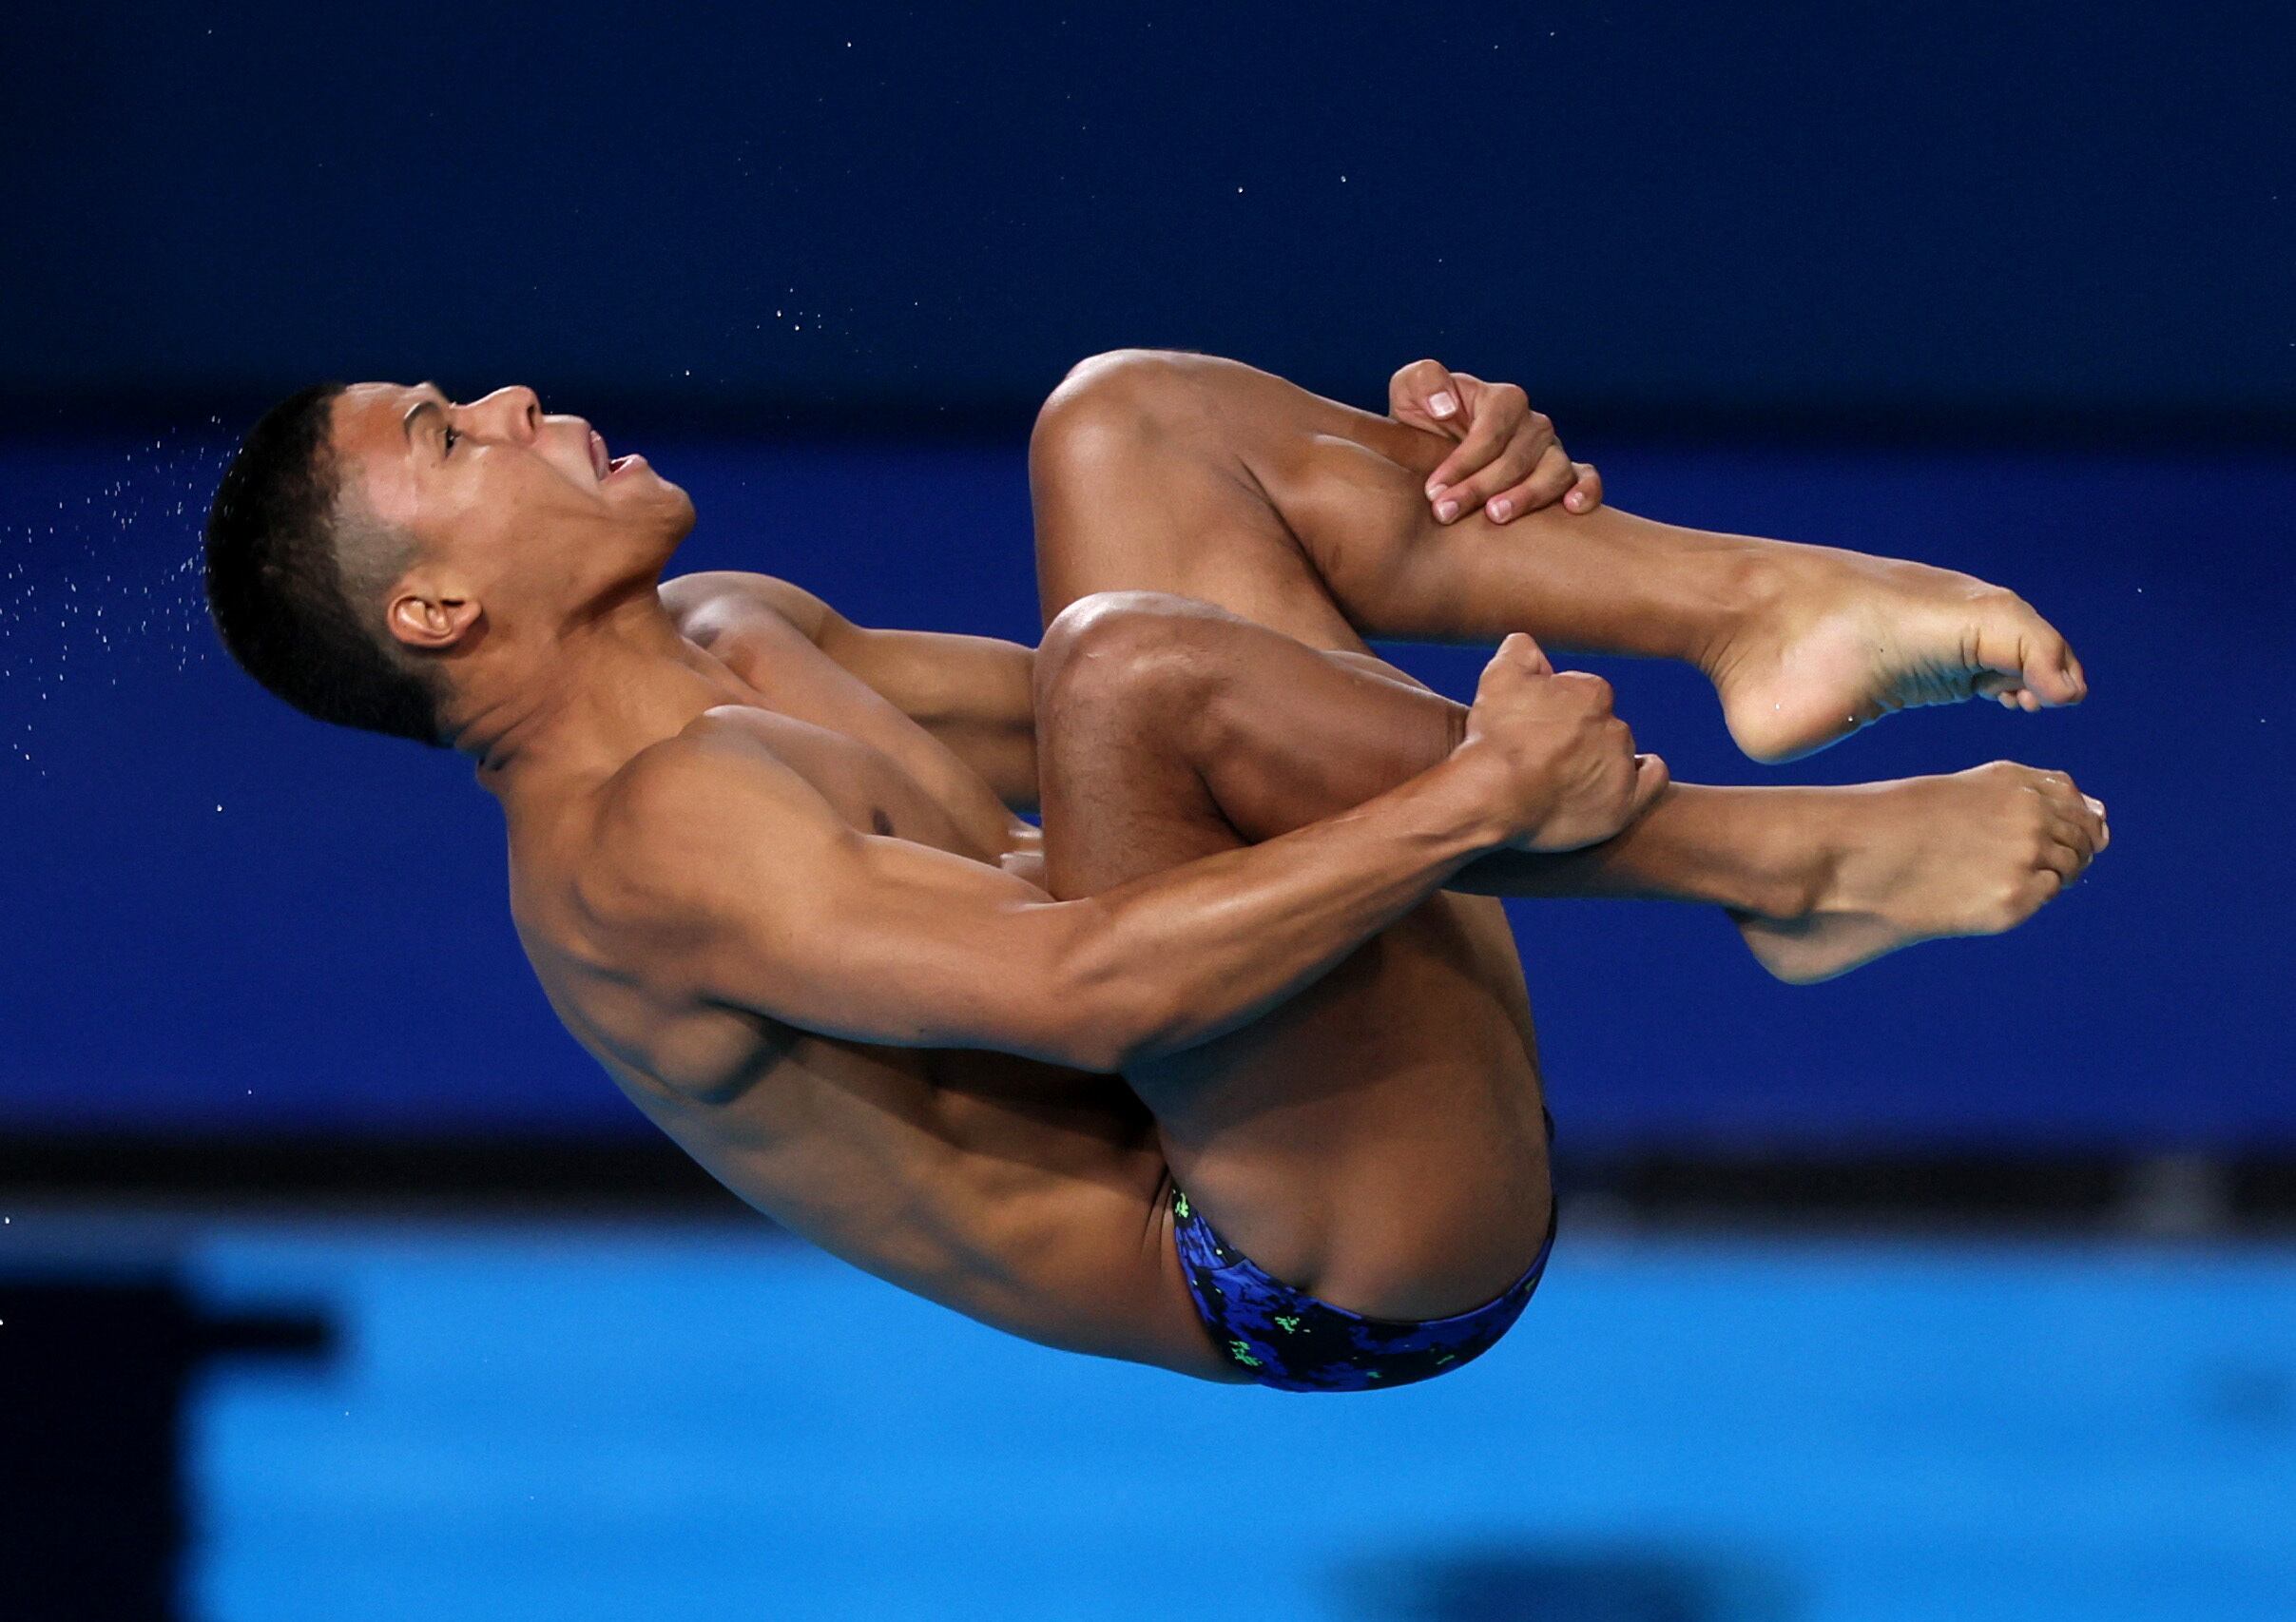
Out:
{"x": 632, "y": 477}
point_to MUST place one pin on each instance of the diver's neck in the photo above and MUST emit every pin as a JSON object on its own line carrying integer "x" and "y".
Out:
{"x": 620, "y": 681}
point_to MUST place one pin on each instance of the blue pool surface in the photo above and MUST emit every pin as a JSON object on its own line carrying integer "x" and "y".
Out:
{"x": 567, "y": 1422}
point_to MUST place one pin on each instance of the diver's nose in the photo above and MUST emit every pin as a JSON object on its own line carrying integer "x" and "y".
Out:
{"x": 516, "y": 409}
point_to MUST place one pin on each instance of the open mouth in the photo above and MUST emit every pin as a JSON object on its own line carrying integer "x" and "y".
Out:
{"x": 604, "y": 466}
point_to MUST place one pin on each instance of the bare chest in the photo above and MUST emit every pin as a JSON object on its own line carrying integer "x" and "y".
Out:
{"x": 883, "y": 773}
{"x": 869, "y": 785}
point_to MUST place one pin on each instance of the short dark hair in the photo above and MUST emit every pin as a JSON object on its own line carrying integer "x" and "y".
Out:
{"x": 292, "y": 580}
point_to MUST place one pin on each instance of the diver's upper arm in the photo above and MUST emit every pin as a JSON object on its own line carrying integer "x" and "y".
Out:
{"x": 731, "y": 866}
{"x": 974, "y": 694}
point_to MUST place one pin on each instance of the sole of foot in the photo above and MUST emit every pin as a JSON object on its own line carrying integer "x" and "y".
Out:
{"x": 1845, "y": 640}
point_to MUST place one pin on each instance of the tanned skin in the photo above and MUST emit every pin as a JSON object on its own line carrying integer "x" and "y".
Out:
{"x": 768, "y": 869}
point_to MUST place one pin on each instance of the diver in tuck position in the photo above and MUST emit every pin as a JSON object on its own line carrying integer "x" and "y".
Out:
{"x": 771, "y": 869}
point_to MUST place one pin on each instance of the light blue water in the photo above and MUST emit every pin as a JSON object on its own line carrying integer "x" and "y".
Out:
{"x": 570, "y": 1422}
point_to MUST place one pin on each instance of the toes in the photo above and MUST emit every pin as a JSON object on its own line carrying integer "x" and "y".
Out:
{"x": 2088, "y": 809}
{"x": 2044, "y": 664}
{"x": 2080, "y": 677}
{"x": 2080, "y": 818}
{"x": 2005, "y": 691}
{"x": 2067, "y": 683}
{"x": 2045, "y": 659}
{"x": 2075, "y": 841}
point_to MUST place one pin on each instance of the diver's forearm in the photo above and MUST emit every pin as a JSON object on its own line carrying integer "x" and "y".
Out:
{"x": 1208, "y": 946}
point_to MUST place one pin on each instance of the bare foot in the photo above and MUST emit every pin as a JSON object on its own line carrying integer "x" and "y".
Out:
{"x": 1846, "y": 639}
{"x": 1976, "y": 853}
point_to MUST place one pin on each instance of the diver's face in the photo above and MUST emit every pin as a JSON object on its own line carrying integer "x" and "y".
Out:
{"x": 528, "y": 508}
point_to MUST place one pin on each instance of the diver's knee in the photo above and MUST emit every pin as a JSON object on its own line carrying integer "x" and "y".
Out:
{"x": 1107, "y": 403}
{"x": 1125, "y": 648}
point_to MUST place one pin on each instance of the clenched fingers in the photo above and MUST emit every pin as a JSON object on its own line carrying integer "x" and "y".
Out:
{"x": 1504, "y": 443}
{"x": 1554, "y": 474}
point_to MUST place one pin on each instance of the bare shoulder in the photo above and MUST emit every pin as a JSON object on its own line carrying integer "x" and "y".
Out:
{"x": 714, "y": 601}
{"x": 701, "y": 816}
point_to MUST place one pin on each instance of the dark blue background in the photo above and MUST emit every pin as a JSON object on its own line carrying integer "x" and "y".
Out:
{"x": 2005, "y": 291}
{"x": 2048, "y": 210}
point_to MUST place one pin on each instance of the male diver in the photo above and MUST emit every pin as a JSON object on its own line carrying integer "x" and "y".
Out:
{"x": 1231, "y": 1070}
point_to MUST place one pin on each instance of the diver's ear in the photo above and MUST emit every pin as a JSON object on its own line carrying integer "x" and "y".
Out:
{"x": 430, "y": 613}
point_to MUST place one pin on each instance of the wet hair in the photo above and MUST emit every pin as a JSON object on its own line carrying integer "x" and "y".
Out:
{"x": 295, "y": 580}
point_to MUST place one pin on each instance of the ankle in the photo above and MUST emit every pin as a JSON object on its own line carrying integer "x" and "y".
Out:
{"x": 1745, "y": 585}
{"x": 1797, "y": 886}
{"x": 1811, "y": 858}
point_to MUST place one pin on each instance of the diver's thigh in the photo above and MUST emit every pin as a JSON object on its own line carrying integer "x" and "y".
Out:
{"x": 1377, "y": 1139}
{"x": 1380, "y": 1133}
{"x": 1160, "y": 514}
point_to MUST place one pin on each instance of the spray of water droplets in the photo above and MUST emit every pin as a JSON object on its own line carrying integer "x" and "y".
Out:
{"x": 106, "y": 584}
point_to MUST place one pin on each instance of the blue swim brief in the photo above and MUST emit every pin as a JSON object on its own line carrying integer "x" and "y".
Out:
{"x": 1284, "y": 1337}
